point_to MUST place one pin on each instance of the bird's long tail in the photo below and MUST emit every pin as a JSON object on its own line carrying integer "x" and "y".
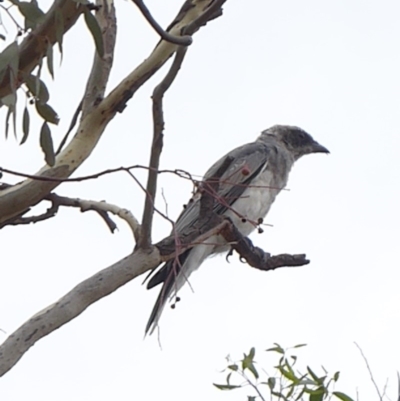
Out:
{"x": 174, "y": 274}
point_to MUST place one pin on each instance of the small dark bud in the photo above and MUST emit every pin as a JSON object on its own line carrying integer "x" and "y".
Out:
{"x": 31, "y": 101}
{"x": 184, "y": 206}
{"x": 177, "y": 299}
{"x": 173, "y": 306}
{"x": 245, "y": 170}
{"x": 260, "y": 230}
{"x": 244, "y": 220}
{"x": 19, "y": 33}
{"x": 260, "y": 220}
{"x": 191, "y": 200}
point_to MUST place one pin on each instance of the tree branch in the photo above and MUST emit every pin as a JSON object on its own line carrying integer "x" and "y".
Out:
{"x": 101, "y": 67}
{"x": 177, "y": 40}
{"x": 74, "y": 303}
{"x": 28, "y": 193}
{"x": 255, "y": 256}
{"x": 102, "y": 208}
{"x": 34, "y": 47}
{"x": 156, "y": 147}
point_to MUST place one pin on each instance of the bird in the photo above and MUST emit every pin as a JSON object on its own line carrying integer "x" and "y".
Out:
{"x": 258, "y": 172}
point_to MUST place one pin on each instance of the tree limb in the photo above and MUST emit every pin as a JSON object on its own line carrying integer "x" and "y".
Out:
{"x": 101, "y": 67}
{"x": 74, "y": 303}
{"x": 28, "y": 193}
{"x": 156, "y": 147}
{"x": 34, "y": 47}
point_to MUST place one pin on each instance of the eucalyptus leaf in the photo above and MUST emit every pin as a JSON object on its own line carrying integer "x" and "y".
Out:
{"x": 47, "y": 113}
{"x": 49, "y": 56}
{"x": 25, "y": 125}
{"x": 342, "y": 396}
{"x": 59, "y": 23}
{"x": 46, "y": 143}
{"x": 225, "y": 386}
{"x": 9, "y": 57}
{"x": 94, "y": 28}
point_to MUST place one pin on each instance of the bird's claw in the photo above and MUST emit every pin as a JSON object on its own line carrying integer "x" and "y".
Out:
{"x": 230, "y": 253}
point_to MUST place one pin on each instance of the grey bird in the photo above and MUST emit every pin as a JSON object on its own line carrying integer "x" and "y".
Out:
{"x": 258, "y": 172}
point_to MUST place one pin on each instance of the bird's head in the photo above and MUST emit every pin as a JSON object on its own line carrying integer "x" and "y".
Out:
{"x": 295, "y": 139}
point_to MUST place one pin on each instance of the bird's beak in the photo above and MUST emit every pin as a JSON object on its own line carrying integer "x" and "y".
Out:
{"x": 317, "y": 148}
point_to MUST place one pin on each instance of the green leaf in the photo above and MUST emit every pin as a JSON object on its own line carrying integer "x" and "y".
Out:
{"x": 313, "y": 375}
{"x": 336, "y": 376}
{"x": 25, "y": 126}
{"x": 252, "y": 353}
{"x": 9, "y": 100}
{"x": 32, "y": 13}
{"x": 46, "y": 143}
{"x": 277, "y": 349}
{"x": 59, "y": 23}
{"x": 43, "y": 95}
{"x": 316, "y": 397}
{"x": 300, "y": 345}
{"x": 94, "y": 28}
{"x": 271, "y": 382}
{"x": 342, "y": 396}
{"x": 49, "y": 56}
{"x": 225, "y": 386}
{"x": 288, "y": 374}
{"x": 11, "y": 110}
{"x": 32, "y": 82}
{"x": 251, "y": 398}
{"x": 9, "y": 57}
{"x": 47, "y": 113}
{"x": 247, "y": 363}
{"x": 233, "y": 367}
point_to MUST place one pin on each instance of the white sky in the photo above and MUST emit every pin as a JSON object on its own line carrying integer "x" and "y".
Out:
{"x": 330, "y": 67}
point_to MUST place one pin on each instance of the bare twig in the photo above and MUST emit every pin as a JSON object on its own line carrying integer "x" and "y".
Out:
{"x": 180, "y": 173}
{"x": 177, "y": 40}
{"x": 71, "y": 127}
{"x": 156, "y": 147}
{"x": 369, "y": 371}
{"x": 102, "y": 208}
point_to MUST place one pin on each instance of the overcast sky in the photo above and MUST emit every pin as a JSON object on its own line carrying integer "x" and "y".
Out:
{"x": 331, "y": 68}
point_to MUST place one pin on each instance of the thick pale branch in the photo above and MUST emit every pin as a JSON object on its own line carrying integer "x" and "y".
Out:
{"x": 101, "y": 68}
{"x": 34, "y": 47}
{"x": 74, "y": 303}
{"x": 30, "y": 192}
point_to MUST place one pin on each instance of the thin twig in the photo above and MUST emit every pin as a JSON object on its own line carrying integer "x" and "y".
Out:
{"x": 156, "y": 147}
{"x": 6, "y": 9}
{"x": 177, "y": 40}
{"x": 71, "y": 127}
{"x": 102, "y": 208}
{"x": 369, "y": 371}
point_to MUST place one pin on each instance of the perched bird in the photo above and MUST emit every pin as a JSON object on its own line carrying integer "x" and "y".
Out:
{"x": 258, "y": 172}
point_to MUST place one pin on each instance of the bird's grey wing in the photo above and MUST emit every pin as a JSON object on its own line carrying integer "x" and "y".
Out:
{"x": 248, "y": 162}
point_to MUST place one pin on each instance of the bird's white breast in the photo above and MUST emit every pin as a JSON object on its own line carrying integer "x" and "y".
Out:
{"x": 256, "y": 201}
